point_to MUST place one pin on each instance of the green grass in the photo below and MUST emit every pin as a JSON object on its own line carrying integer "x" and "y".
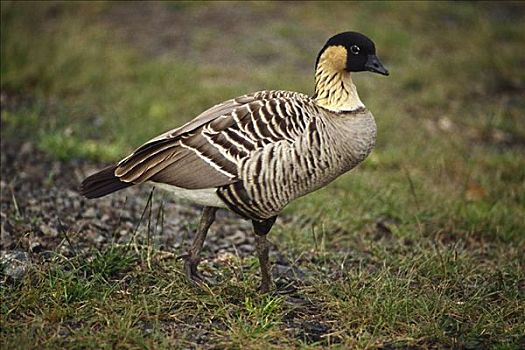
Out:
{"x": 447, "y": 176}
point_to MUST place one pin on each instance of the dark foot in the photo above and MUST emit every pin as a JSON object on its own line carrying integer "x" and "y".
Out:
{"x": 265, "y": 287}
{"x": 192, "y": 273}
{"x": 191, "y": 259}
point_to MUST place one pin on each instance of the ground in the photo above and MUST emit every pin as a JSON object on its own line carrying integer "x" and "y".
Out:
{"x": 421, "y": 247}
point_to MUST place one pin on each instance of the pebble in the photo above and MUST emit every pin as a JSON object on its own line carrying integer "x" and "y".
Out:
{"x": 248, "y": 248}
{"x": 90, "y": 213}
{"x": 36, "y": 247}
{"x": 15, "y": 264}
{"x": 48, "y": 230}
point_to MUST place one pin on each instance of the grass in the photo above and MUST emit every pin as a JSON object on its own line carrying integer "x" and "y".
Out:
{"x": 421, "y": 246}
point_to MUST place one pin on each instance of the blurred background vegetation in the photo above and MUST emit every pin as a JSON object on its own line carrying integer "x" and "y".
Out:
{"x": 94, "y": 80}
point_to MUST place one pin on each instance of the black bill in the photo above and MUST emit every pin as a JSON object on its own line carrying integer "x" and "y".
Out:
{"x": 374, "y": 65}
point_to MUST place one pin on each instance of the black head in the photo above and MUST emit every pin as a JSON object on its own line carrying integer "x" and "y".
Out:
{"x": 360, "y": 52}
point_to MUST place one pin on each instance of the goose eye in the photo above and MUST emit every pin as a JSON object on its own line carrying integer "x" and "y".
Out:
{"x": 355, "y": 49}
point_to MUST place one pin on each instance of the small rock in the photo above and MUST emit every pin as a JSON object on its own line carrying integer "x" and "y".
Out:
{"x": 26, "y": 148}
{"x": 99, "y": 239}
{"x": 47, "y": 255}
{"x": 238, "y": 237}
{"x": 15, "y": 264}
{"x": 90, "y": 213}
{"x": 48, "y": 230}
{"x": 246, "y": 248}
{"x": 36, "y": 247}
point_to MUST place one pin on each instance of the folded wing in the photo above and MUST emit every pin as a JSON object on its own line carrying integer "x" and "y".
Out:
{"x": 205, "y": 152}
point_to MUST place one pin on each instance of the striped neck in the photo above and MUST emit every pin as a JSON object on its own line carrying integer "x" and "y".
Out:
{"x": 334, "y": 89}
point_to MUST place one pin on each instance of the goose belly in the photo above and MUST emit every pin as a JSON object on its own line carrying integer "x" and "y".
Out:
{"x": 205, "y": 196}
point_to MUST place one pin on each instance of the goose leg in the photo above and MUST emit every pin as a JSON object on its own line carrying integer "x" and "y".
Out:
{"x": 192, "y": 259}
{"x": 262, "y": 246}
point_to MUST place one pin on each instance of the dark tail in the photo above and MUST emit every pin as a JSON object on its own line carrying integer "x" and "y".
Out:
{"x": 102, "y": 183}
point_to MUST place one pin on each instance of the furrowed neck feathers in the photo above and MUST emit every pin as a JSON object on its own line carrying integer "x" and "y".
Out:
{"x": 334, "y": 89}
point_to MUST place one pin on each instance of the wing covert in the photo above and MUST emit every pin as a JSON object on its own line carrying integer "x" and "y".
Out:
{"x": 206, "y": 152}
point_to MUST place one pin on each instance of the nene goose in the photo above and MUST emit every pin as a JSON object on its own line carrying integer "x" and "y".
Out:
{"x": 256, "y": 153}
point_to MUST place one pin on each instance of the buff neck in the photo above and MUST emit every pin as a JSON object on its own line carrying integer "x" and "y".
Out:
{"x": 334, "y": 88}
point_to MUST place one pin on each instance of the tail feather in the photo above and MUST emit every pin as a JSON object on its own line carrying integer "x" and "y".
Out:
{"x": 102, "y": 183}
